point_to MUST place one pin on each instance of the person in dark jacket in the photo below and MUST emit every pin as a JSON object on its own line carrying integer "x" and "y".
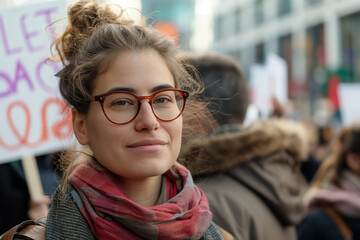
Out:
{"x": 15, "y": 203}
{"x": 336, "y": 188}
{"x": 249, "y": 173}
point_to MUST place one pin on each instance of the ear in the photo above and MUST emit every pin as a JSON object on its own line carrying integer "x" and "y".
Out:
{"x": 353, "y": 161}
{"x": 79, "y": 126}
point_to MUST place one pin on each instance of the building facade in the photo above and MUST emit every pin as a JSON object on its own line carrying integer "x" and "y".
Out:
{"x": 317, "y": 38}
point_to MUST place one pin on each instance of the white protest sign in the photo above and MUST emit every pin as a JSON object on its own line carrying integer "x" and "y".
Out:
{"x": 349, "y": 96}
{"x": 277, "y": 75}
{"x": 267, "y": 82}
{"x": 259, "y": 89}
{"x": 33, "y": 119}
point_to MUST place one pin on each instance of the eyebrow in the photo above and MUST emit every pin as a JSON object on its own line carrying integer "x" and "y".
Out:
{"x": 132, "y": 90}
{"x": 163, "y": 86}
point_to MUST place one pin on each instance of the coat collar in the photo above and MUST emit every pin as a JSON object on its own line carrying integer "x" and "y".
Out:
{"x": 233, "y": 145}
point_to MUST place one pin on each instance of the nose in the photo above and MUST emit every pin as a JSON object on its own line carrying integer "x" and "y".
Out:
{"x": 146, "y": 120}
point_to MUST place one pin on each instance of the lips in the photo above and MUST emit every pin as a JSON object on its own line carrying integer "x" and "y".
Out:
{"x": 148, "y": 145}
{"x": 147, "y": 142}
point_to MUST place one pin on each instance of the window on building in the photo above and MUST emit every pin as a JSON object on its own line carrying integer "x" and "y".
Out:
{"x": 237, "y": 20}
{"x": 259, "y": 12}
{"x": 284, "y": 7}
{"x": 315, "y": 47}
{"x": 315, "y": 62}
{"x": 312, "y": 2}
{"x": 285, "y": 47}
{"x": 246, "y": 59}
{"x": 219, "y": 24}
{"x": 260, "y": 53}
{"x": 237, "y": 55}
{"x": 350, "y": 48}
{"x": 286, "y": 53}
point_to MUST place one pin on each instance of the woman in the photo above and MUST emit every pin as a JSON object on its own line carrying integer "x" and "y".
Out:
{"x": 334, "y": 199}
{"x": 123, "y": 83}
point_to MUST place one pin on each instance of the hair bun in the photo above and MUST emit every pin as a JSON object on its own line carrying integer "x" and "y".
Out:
{"x": 84, "y": 17}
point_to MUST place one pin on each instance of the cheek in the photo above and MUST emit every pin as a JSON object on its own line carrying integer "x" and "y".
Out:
{"x": 174, "y": 131}
{"x": 100, "y": 130}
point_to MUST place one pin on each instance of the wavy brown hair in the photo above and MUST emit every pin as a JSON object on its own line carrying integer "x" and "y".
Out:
{"x": 94, "y": 35}
{"x": 347, "y": 141}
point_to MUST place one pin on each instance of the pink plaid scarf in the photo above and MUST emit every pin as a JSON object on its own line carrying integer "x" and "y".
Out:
{"x": 112, "y": 215}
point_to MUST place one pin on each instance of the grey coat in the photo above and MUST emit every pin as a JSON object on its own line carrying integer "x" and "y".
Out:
{"x": 251, "y": 177}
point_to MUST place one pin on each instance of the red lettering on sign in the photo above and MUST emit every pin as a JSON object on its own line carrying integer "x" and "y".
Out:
{"x": 61, "y": 129}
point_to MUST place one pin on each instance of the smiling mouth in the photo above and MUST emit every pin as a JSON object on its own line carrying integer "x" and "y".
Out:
{"x": 148, "y": 145}
{"x": 149, "y": 148}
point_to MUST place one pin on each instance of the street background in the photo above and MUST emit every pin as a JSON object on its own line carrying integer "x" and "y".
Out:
{"x": 304, "y": 54}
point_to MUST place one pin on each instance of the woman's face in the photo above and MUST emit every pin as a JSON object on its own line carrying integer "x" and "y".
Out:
{"x": 145, "y": 147}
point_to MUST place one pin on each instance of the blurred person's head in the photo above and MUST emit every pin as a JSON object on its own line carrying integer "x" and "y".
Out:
{"x": 225, "y": 85}
{"x": 349, "y": 150}
{"x": 346, "y": 156}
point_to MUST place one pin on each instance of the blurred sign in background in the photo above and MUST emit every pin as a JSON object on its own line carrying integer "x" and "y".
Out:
{"x": 318, "y": 42}
{"x": 268, "y": 83}
{"x": 350, "y": 96}
{"x": 33, "y": 119}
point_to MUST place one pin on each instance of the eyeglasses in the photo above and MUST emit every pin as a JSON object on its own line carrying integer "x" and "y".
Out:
{"x": 123, "y": 107}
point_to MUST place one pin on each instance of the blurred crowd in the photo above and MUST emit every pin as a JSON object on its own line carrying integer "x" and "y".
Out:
{"x": 274, "y": 178}
{"x": 280, "y": 177}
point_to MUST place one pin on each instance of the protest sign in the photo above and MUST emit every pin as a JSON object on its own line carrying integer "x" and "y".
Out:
{"x": 277, "y": 77}
{"x": 267, "y": 82}
{"x": 33, "y": 119}
{"x": 260, "y": 94}
{"x": 349, "y": 96}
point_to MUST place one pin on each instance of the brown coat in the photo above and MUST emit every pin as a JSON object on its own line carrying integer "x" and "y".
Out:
{"x": 251, "y": 179}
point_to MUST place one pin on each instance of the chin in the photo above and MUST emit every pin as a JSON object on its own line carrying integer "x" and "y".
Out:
{"x": 153, "y": 170}
{"x": 156, "y": 172}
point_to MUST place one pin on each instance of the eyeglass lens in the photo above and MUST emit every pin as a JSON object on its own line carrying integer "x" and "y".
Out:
{"x": 123, "y": 107}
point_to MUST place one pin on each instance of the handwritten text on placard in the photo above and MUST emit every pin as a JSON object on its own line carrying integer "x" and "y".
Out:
{"x": 33, "y": 119}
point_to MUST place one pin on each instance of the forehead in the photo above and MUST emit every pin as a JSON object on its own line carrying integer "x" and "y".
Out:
{"x": 139, "y": 70}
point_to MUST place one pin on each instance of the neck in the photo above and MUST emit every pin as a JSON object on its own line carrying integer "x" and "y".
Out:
{"x": 144, "y": 192}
